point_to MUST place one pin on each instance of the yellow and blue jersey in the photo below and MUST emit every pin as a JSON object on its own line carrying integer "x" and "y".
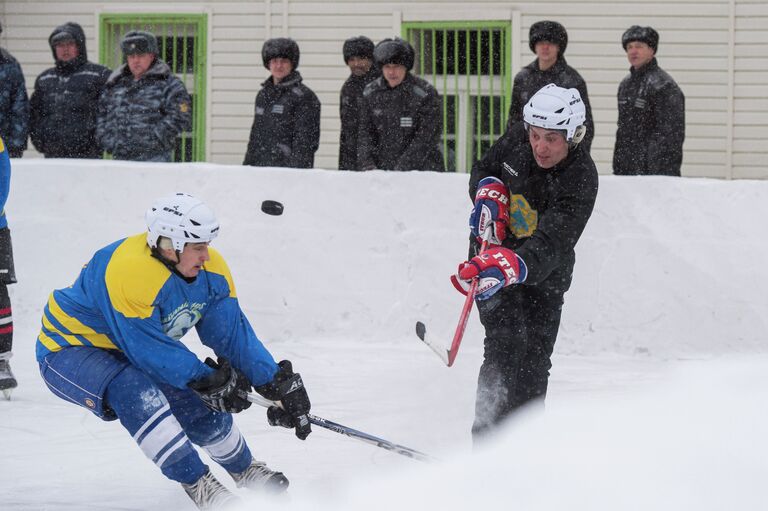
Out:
{"x": 5, "y": 181}
{"x": 125, "y": 299}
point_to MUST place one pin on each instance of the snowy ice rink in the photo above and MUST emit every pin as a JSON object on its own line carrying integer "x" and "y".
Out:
{"x": 660, "y": 381}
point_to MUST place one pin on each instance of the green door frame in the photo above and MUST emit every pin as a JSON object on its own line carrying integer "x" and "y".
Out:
{"x": 414, "y": 31}
{"x": 113, "y": 25}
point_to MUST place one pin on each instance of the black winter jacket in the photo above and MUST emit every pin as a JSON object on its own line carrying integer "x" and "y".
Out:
{"x": 14, "y": 105}
{"x": 530, "y": 79}
{"x": 350, "y": 107}
{"x": 400, "y": 128}
{"x": 65, "y": 104}
{"x": 286, "y": 125}
{"x": 549, "y": 209}
{"x": 651, "y": 123}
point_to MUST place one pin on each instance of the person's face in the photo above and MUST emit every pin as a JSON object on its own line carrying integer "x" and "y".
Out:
{"x": 359, "y": 65}
{"x": 66, "y": 51}
{"x": 139, "y": 63}
{"x": 549, "y": 146}
{"x": 191, "y": 260}
{"x": 394, "y": 74}
{"x": 280, "y": 67}
{"x": 639, "y": 54}
{"x": 546, "y": 53}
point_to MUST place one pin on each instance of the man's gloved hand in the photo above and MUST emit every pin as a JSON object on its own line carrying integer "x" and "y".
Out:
{"x": 287, "y": 387}
{"x": 496, "y": 268}
{"x": 491, "y": 211}
{"x": 221, "y": 390}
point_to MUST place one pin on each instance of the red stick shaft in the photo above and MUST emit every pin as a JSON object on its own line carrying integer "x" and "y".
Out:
{"x": 459, "y": 334}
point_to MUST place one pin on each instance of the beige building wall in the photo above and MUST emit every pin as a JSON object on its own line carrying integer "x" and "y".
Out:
{"x": 717, "y": 51}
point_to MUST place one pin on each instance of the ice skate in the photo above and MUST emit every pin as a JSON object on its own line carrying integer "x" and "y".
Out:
{"x": 259, "y": 477}
{"x": 209, "y": 494}
{"x": 7, "y": 380}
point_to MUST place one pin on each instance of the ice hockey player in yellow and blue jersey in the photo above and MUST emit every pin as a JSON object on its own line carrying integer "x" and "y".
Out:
{"x": 111, "y": 343}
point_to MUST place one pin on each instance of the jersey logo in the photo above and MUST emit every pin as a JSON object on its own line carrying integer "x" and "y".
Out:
{"x": 406, "y": 122}
{"x": 178, "y": 322}
{"x": 506, "y": 166}
{"x": 278, "y": 109}
{"x": 523, "y": 219}
{"x": 184, "y": 107}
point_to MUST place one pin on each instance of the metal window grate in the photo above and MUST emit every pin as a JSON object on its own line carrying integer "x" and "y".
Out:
{"x": 468, "y": 63}
{"x": 181, "y": 40}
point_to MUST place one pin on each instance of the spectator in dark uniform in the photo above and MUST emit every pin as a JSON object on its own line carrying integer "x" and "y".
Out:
{"x": 64, "y": 104}
{"x": 651, "y": 131}
{"x": 548, "y": 40}
{"x": 358, "y": 55}
{"x": 533, "y": 191}
{"x": 14, "y": 105}
{"x": 401, "y": 120}
{"x": 144, "y": 107}
{"x": 286, "y": 122}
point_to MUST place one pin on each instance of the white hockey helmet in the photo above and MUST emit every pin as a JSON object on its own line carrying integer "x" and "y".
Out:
{"x": 183, "y": 219}
{"x": 556, "y": 108}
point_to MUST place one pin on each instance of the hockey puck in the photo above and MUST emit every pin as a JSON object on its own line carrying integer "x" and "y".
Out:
{"x": 272, "y": 207}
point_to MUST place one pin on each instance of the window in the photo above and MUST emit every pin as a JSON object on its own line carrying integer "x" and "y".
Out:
{"x": 468, "y": 63}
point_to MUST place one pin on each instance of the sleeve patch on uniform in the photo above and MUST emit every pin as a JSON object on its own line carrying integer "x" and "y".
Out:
{"x": 184, "y": 107}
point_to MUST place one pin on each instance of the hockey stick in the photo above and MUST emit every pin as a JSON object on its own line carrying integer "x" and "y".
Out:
{"x": 352, "y": 433}
{"x": 449, "y": 356}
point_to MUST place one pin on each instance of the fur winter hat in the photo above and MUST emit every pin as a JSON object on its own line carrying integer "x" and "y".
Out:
{"x": 394, "y": 51}
{"x": 550, "y": 31}
{"x": 280, "y": 47}
{"x": 645, "y": 35}
{"x": 359, "y": 46}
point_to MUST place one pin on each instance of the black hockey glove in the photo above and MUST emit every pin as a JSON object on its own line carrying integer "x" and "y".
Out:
{"x": 221, "y": 390}
{"x": 288, "y": 388}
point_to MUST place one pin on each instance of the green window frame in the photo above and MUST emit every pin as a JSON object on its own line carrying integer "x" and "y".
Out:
{"x": 183, "y": 45}
{"x": 468, "y": 62}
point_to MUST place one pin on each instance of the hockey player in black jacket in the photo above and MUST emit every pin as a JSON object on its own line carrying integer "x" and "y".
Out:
{"x": 401, "y": 118}
{"x": 64, "y": 104}
{"x": 286, "y": 121}
{"x": 548, "y": 40}
{"x": 533, "y": 193}
{"x": 651, "y": 131}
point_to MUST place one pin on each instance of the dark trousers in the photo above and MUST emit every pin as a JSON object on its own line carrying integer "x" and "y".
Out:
{"x": 521, "y": 324}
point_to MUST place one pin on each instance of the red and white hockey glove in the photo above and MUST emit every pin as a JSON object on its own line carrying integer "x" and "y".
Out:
{"x": 491, "y": 211}
{"x": 496, "y": 268}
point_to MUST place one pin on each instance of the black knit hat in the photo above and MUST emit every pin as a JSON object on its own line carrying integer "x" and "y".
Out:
{"x": 280, "y": 47}
{"x": 394, "y": 51}
{"x": 137, "y": 42}
{"x": 359, "y": 46}
{"x": 550, "y": 31}
{"x": 645, "y": 35}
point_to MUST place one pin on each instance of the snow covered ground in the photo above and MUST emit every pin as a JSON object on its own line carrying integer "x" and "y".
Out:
{"x": 658, "y": 391}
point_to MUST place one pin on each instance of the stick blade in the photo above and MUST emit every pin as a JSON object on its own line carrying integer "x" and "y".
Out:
{"x": 421, "y": 332}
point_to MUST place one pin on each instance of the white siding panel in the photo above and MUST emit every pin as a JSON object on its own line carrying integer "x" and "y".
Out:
{"x": 695, "y": 48}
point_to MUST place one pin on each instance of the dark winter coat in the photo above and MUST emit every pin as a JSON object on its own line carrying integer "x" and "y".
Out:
{"x": 141, "y": 119}
{"x": 65, "y": 104}
{"x": 286, "y": 125}
{"x": 350, "y": 106}
{"x": 400, "y": 128}
{"x": 530, "y": 79}
{"x": 14, "y": 105}
{"x": 651, "y": 123}
{"x": 548, "y": 208}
